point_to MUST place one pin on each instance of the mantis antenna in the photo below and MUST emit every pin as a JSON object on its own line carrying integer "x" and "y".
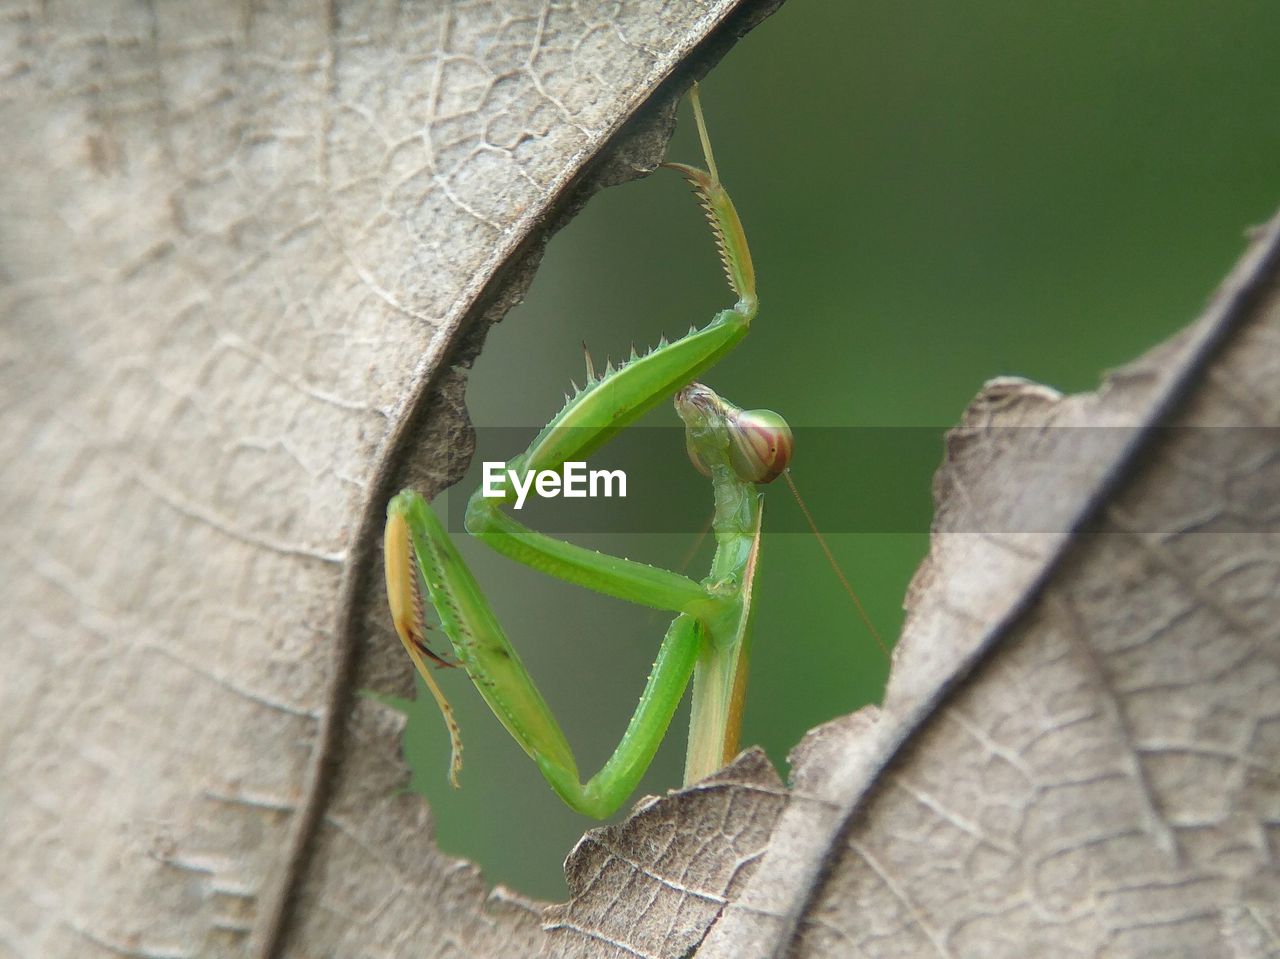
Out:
{"x": 831, "y": 559}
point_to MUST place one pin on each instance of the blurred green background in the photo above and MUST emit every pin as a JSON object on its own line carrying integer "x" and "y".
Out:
{"x": 935, "y": 194}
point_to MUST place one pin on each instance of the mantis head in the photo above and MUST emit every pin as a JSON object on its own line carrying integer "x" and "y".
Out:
{"x": 756, "y": 444}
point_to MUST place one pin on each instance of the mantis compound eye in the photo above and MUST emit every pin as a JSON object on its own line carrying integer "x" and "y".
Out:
{"x": 760, "y": 445}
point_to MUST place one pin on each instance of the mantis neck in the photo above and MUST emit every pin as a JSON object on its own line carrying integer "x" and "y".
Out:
{"x": 720, "y": 676}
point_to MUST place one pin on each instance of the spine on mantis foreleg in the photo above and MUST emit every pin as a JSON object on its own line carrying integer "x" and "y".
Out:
{"x": 594, "y": 415}
{"x": 619, "y": 397}
{"x": 404, "y": 596}
{"x": 731, "y": 239}
{"x": 478, "y": 640}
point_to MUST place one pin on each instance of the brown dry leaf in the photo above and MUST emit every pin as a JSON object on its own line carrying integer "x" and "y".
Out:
{"x": 239, "y": 243}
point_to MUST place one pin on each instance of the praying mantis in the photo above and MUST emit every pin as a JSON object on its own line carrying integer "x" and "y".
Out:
{"x": 708, "y": 642}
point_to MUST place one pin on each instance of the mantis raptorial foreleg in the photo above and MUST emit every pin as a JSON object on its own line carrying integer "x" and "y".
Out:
{"x": 708, "y": 639}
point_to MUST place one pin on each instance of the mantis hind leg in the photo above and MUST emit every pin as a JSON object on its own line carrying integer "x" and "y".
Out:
{"x": 495, "y": 668}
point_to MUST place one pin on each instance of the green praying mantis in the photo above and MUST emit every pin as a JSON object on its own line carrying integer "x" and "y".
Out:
{"x": 709, "y": 639}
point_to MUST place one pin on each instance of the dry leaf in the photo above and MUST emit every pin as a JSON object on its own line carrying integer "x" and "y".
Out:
{"x": 240, "y": 243}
